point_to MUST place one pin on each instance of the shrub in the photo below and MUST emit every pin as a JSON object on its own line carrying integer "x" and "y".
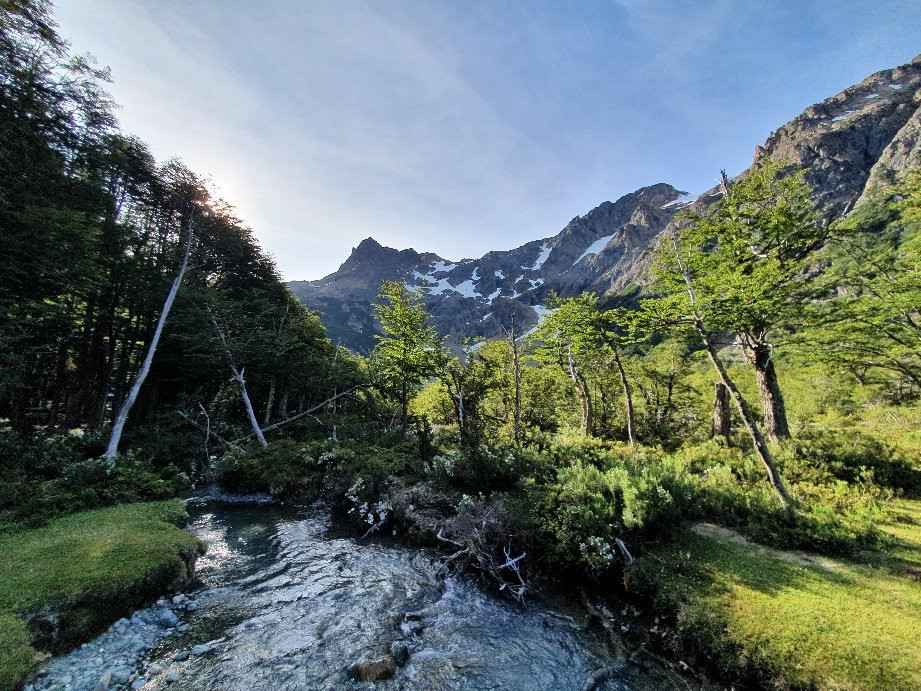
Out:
{"x": 482, "y": 469}
{"x": 847, "y": 455}
{"x": 285, "y": 468}
{"x": 85, "y": 484}
{"x": 588, "y": 509}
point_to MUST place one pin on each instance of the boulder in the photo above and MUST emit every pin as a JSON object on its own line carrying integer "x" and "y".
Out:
{"x": 375, "y": 670}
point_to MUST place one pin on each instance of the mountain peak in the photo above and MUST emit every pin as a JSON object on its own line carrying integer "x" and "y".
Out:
{"x": 369, "y": 252}
{"x": 366, "y": 244}
{"x": 848, "y": 143}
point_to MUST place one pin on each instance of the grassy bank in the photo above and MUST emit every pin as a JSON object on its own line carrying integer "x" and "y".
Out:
{"x": 790, "y": 619}
{"x": 85, "y": 570}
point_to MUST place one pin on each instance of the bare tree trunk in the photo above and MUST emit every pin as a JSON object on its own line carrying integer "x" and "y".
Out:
{"x": 238, "y": 376}
{"x": 721, "y": 423}
{"x": 119, "y": 424}
{"x": 628, "y": 396}
{"x": 249, "y": 408}
{"x": 603, "y": 418}
{"x": 270, "y": 402}
{"x": 460, "y": 406}
{"x": 283, "y": 403}
{"x": 747, "y": 416}
{"x": 584, "y": 394}
{"x": 775, "y": 411}
{"x": 208, "y": 430}
{"x": 298, "y": 416}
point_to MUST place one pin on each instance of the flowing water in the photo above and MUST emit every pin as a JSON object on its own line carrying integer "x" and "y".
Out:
{"x": 288, "y": 602}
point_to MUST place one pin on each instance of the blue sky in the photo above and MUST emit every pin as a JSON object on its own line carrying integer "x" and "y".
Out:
{"x": 464, "y": 127}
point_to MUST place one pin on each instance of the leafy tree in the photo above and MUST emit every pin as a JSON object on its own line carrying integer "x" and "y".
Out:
{"x": 410, "y": 349}
{"x": 740, "y": 267}
{"x": 666, "y": 406}
{"x": 95, "y": 234}
{"x": 570, "y": 338}
{"x": 747, "y": 258}
{"x": 872, "y": 321}
{"x": 586, "y": 343}
{"x": 468, "y": 383}
{"x": 618, "y": 330}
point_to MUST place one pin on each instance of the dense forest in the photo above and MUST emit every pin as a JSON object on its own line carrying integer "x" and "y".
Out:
{"x": 766, "y": 380}
{"x": 95, "y": 233}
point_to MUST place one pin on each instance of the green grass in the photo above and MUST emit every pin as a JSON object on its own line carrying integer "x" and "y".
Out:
{"x": 89, "y": 568}
{"x": 789, "y": 620}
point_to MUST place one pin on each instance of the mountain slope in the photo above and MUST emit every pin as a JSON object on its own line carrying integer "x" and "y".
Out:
{"x": 477, "y": 297}
{"x": 850, "y": 143}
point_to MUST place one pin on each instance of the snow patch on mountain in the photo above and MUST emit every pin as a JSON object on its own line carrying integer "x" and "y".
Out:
{"x": 594, "y": 248}
{"x": 545, "y": 250}
{"x": 441, "y": 267}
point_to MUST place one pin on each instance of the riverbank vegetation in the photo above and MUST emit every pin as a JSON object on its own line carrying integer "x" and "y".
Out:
{"x": 64, "y": 582}
{"x": 728, "y": 463}
{"x": 605, "y": 446}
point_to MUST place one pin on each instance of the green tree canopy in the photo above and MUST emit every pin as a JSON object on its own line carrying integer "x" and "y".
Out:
{"x": 747, "y": 259}
{"x": 410, "y": 350}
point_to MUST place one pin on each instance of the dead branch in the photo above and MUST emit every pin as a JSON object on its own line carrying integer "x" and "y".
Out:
{"x": 625, "y": 553}
{"x": 441, "y": 537}
{"x": 211, "y": 432}
{"x": 309, "y": 412}
{"x": 373, "y": 529}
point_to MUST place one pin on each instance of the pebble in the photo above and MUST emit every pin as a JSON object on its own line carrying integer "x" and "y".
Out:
{"x": 200, "y": 649}
{"x": 112, "y": 660}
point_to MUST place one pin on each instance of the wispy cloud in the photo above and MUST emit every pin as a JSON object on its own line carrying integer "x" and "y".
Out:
{"x": 454, "y": 128}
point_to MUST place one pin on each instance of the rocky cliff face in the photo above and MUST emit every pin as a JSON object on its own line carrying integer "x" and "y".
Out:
{"x": 477, "y": 297}
{"x": 857, "y": 139}
{"x": 850, "y": 143}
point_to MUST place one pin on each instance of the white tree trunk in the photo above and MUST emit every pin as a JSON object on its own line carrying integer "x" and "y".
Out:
{"x": 238, "y": 376}
{"x": 119, "y": 425}
{"x": 249, "y": 407}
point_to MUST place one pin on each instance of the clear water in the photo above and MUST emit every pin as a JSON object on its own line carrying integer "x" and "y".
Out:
{"x": 286, "y": 602}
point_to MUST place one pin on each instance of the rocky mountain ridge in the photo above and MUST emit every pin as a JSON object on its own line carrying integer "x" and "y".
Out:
{"x": 850, "y": 143}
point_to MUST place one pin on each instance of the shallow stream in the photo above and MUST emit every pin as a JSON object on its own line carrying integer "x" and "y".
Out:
{"x": 286, "y": 601}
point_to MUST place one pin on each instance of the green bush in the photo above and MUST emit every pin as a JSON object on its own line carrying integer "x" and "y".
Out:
{"x": 288, "y": 468}
{"x": 589, "y": 508}
{"x": 83, "y": 485}
{"x": 832, "y": 516}
{"x": 285, "y": 468}
{"x": 483, "y": 469}
{"x": 847, "y": 455}
{"x": 47, "y": 455}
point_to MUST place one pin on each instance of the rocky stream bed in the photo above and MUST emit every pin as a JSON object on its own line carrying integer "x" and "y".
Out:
{"x": 287, "y": 601}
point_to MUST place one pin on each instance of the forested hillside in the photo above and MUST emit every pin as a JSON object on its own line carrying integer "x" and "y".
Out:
{"x": 95, "y": 232}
